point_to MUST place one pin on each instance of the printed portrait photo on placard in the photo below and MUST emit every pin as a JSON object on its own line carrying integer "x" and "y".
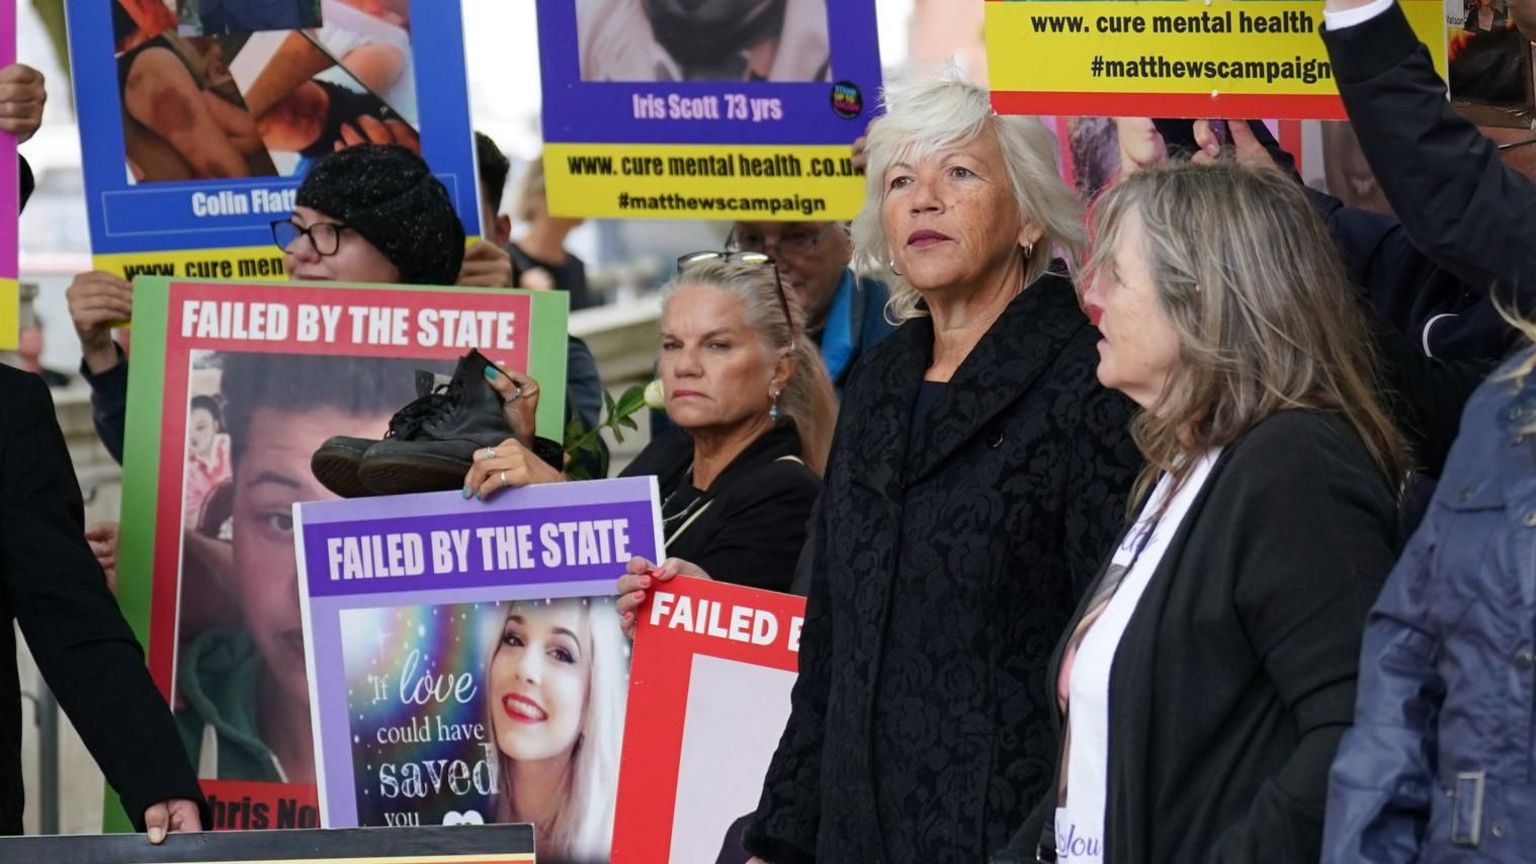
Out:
{"x": 236, "y": 387}
{"x": 1490, "y": 63}
{"x": 203, "y": 117}
{"x": 211, "y": 95}
{"x": 253, "y": 421}
{"x": 687, "y": 109}
{"x": 473, "y": 713}
{"x": 1104, "y": 148}
{"x": 704, "y": 40}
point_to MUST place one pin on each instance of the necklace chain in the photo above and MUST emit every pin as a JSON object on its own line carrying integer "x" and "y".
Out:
{"x": 685, "y": 482}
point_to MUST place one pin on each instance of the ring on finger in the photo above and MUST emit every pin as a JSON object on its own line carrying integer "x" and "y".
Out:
{"x": 503, "y": 478}
{"x": 490, "y": 453}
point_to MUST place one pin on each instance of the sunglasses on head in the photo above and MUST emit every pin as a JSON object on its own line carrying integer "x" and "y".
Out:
{"x": 754, "y": 259}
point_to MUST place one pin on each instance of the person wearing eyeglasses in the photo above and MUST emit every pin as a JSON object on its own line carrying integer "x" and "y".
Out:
{"x": 844, "y": 313}
{"x": 367, "y": 214}
{"x": 371, "y": 213}
{"x": 753, "y": 411}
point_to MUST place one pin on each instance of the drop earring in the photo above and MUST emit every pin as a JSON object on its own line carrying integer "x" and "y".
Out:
{"x": 773, "y": 410}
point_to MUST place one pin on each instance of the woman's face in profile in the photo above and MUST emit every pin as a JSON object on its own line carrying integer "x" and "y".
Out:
{"x": 715, "y": 370}
{"x": 1140, "y": 349}
{"x": 539, "y": 680}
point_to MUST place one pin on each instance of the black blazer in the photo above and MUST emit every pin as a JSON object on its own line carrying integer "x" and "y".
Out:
{"x": 751, "y": 526}
{"x": 944, "y": 571}
{"x": 1459, "y": 203}
{"x": 51, "y": 584}
{"x": 1235, "y": 678}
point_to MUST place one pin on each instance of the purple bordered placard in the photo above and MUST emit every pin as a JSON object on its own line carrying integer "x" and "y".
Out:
{"x": 581, "y": 112}
{"x": 324, "y": 599}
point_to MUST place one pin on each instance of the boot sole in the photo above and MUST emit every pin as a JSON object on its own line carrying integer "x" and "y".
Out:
{"x": 338, "y": 469}
{"x": 412, "y": 472}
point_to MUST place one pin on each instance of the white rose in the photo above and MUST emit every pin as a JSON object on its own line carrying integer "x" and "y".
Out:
{"x": 655, "y": 397}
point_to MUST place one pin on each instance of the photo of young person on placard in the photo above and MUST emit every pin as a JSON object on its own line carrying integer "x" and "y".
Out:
{"x": 491, "y": 712}
{"x": 242, "y": 693}
{"x": 556, "y": 686}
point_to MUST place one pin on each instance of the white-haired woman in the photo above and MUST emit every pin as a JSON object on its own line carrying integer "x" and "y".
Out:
{"x": 979, "y": 475}
{"x": 556, "y": 686}
{"x": 754, "y": 411}
{"x": 1207, "y": 678}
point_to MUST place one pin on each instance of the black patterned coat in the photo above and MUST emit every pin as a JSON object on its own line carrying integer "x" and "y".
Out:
{"x": 945, "y": 571}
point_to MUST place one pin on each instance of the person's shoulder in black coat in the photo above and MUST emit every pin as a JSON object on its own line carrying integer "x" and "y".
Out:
{"x": 754, "y": 523}
{"x": 758, "y": 526}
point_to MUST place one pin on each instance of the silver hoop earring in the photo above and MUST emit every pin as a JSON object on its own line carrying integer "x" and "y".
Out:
{"x": 891, "y": 264}
{"x": 1029, "y": 250}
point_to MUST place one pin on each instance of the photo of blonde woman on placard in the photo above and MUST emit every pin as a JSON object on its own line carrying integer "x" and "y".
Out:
{"x": 556, "y": 686}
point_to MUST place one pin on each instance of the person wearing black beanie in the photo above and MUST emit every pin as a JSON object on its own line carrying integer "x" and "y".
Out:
{"x": 372, "y": 213}
{"x": 386, "y": 196}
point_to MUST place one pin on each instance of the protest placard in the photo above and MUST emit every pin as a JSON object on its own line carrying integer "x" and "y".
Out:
{"x": 1490, "y": 69}
{"x": 234, "y": 386}
{"x": 466, "y": 659}
{"x": 1097, "y": 151}
{"x": 10, "y": 201}
{"x": 1189, "y": 58}
{"x": 709, "y": 696}
{"x": 200, "y": 120}
{"x": 715, "y": 110}
{"x": 498, "y": 844}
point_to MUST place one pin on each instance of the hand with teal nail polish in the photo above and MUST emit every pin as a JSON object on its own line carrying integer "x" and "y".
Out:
{"x": 520, "y": 400}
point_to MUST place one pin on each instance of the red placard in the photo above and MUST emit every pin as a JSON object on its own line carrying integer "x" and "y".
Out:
{"x": 710, "y": 679}
{"x": 239, "y": 805}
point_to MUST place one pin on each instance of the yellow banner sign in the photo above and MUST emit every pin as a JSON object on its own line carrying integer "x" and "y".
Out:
{"x": 1198, "y": 58}
{"x": 696, "y": 181}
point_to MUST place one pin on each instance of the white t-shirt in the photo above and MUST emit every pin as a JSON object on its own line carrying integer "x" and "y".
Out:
{"x": 1080, "y": 821}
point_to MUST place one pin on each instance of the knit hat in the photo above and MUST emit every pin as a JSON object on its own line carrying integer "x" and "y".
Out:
{"x": 388, "y": 196}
